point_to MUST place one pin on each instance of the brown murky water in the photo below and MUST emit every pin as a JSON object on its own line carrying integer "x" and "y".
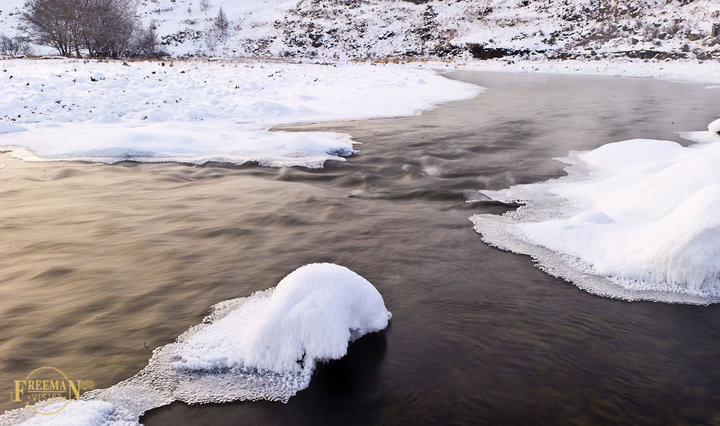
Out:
{"x": 101, "y": 264}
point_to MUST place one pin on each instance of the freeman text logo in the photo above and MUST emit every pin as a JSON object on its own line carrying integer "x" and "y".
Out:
{"x": 49, "y": 385}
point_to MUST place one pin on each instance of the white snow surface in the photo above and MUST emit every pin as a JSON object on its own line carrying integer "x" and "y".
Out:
{"x": 9, "y": 128}
{"x": 638, "y": 219}
{"x": 199, "y": 111}
{"x": 265, "y": 346}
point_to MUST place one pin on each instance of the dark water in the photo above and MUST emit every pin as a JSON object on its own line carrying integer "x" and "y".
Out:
{"x": 103, "y": 263}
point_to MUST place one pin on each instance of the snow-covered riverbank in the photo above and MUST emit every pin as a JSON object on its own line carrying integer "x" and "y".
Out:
{"x": 690, "y": 71}
{"x": 200, "y": 111}
{"x": 637, "y": 219}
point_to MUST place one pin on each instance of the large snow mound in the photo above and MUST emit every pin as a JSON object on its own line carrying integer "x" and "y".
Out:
{"x": 202, "y": 111}
{"x": 265, "y": 346}
{"x": 638, "y": 219}
{"x": 311, "y": 315}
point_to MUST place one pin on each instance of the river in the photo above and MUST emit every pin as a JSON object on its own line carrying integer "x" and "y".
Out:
{"x": 102, "y": 264}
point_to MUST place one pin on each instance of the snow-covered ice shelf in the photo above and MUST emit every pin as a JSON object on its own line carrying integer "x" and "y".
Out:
{"x": 637, "y": 220}
{"x": 195, "y": 112}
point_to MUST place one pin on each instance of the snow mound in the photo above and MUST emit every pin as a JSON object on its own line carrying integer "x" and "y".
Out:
{"x": 265, "y": 346}
{"x": 638, "y": 219}
{"x": 714, "y": 126}
{"x": 312, "y": 315}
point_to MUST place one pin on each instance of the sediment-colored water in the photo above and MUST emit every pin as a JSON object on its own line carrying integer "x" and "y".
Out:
{"x": 101, "y": 264}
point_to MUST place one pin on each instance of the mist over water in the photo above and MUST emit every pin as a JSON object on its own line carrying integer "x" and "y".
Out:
{"x": 102, "y": 264}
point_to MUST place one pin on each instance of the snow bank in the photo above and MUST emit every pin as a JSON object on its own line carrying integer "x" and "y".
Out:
{"x": 679, "y": 70}
{"x": 202, "y": 111}
{"x": 638, "y": 219}
{"x": 265, "y": 346}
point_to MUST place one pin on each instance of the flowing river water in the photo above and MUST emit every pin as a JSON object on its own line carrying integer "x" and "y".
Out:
{"x": 102, "y": 264}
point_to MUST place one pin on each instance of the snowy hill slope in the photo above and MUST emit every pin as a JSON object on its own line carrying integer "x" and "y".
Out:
{"x": 345, "y": 29}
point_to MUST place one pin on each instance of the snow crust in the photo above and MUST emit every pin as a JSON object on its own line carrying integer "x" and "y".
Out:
{"x": 81, "y": 413}
{"x": 265, "y": 346}
{"x": 195, "y": 112}
{"x": 638, "y": 219}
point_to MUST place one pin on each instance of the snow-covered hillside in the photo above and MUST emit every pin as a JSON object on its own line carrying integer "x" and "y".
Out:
{"x": 346, "y": 29}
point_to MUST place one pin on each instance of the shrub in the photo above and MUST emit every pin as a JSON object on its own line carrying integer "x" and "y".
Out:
{"x": 14, "y": 45}
{"x": 222, "y": 25}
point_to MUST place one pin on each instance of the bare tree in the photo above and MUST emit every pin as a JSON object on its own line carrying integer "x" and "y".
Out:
{"x": 6, "y": 45}
{"x": 144, "y": 43}
{"x": 103, "y": 27}
{"x": 222, "y": 25}
{"x": 204, "y": 5}
{"x": 211, "y": 41}
{"x": 108, "y": 27}
{"x": 55, "y": 23}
